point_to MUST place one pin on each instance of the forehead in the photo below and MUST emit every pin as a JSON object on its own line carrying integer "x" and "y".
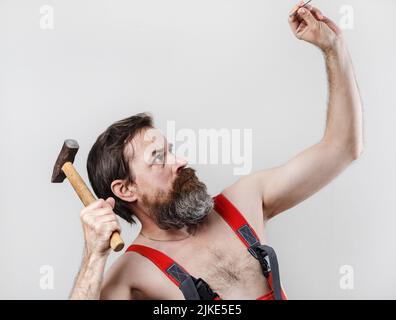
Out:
{"x": 144, "y": 143}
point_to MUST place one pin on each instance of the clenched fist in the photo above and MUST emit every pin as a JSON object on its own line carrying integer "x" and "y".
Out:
{"x": 309, "y": 24}
{"x": 99, "y": 222}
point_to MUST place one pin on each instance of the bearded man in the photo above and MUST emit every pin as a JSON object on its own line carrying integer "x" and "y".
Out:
{"x": 192, "y": 245}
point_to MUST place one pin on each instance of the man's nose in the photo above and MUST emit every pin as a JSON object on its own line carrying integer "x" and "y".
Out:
{"x": 178, "y": 163}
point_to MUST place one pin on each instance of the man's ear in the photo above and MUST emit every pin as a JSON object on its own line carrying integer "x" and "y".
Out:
{"x": 123, "y": 190}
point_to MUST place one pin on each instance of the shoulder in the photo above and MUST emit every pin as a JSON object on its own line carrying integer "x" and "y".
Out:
{"x": 121, "y": 280}
{"x": 133, "y": 276}
{"x": 246, "y": 197}
{"x": 244, "y": 193}
{"x": 126, "y": 267}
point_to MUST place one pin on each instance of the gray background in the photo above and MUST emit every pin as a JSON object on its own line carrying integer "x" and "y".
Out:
{"x": 204, "y": 64}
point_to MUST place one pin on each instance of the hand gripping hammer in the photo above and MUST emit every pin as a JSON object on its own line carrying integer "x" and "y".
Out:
{"x": 64, "y": 168}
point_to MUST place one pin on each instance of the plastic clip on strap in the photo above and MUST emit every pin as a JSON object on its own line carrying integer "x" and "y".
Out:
{"x": 189, "y": 289}
{"x": 197, "y": 289}
{"x": 204, "y": 290}
{"x": 262, "y": 252}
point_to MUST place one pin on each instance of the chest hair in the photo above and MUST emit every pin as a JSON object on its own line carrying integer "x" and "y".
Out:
{"x": 227, "y": 269}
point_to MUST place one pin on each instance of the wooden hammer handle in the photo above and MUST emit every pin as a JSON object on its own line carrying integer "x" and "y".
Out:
{"x": 87, "y": 198}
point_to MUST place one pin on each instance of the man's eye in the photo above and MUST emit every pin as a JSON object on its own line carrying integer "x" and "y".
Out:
{"x": 159, "y": 158}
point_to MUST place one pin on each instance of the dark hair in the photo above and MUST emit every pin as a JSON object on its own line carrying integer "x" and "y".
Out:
{"x": 106, "y": 160}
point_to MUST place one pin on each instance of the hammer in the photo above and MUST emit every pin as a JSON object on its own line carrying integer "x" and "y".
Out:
{"x": 64, "y": 168}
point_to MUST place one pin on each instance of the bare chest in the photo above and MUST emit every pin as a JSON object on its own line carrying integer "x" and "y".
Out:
{"x": 221, "y": 259}
{"x": 231, "y": 271}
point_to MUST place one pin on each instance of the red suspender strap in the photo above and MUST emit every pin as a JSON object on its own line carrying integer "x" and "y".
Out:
{"x": 192, "y": 289}
{"x": 176, "y": 273}
{"x": 249, "y": 237}
{"x": 235, "y": 220}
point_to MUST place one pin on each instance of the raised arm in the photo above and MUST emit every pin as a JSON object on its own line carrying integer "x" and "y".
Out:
{"x": 285, "y": 186}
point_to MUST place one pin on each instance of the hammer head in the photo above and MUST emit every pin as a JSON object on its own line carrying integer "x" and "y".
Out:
{"x": 67, "y": 154}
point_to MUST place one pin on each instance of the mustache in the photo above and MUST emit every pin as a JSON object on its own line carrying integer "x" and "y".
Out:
{"x": 184, "y": 177}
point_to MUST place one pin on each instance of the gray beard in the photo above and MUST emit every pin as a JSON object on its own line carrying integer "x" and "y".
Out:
{"x": 188, "y": 204}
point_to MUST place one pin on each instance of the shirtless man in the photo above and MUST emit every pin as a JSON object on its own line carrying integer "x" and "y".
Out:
{"x": 139, "y": 176}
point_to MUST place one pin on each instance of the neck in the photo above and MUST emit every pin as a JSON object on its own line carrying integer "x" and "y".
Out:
{"x": 151, "y": 230}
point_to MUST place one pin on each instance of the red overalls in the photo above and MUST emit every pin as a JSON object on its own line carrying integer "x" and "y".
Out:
{"x": 198, "y": 289}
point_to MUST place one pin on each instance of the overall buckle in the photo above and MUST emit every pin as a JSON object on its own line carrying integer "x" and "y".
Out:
{"x": 204, "y": 290}
{"x": 262, "y": 256}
